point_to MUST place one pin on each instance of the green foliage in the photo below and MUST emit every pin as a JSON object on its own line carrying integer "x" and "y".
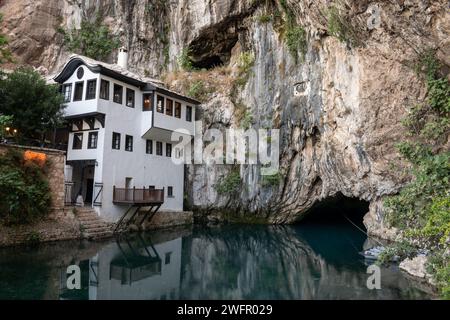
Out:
{"x": 34, "y": 105}
{"x": 294, "y": 34}
{"x": 93, "y": 39}
{"x": 439, "y": 266}
{"x": 5, "y": 121}
{"x": 246, "y": 120}
{"x": 5, "y": 53}
{"x": 33, "y": 238}
{"x": 24, "y": 190}
{"x": 230, "y": 183}
{"x": 422, "y": 208}
{"x": 296, "y": 41}
{"x": 198, "y": 90}
{"x": 184, "y": 61}
{"x": 439, "y": 95}
{"x": 245, "y": 64}
{"x": 272, "y": 180}
{"x": 401, "y": 250}
{"x": 264, "y": 18}
{"x": 339, "y": 26}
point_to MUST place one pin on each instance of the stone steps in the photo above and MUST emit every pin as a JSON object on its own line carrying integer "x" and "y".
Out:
{"x": 92, "y": 225}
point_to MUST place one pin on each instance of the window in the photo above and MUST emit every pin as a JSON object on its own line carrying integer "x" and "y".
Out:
{"x": 130, "y": 98}
{"x": 188, "y": 113}
{"x": 80, "y": 73}
{"x": 147, "y": 102}
{"x": 118, "y": 93}
{"x": 67, "y": 92}
{"x": 170, "y": 192}
{"x": 104, "y": 90}
{"x": 160, "y": 104}
{"x": 168, "y": 150}
{"x": 77, "y": 141}
{"x": 167, "y": 258}
{"x": 169, "y": 107}
{"x": 177, "y": 109}
{"x": 116, "y": 141}
{"x": 92, "y": 141}
{"x": 151, "y": 187}
{"x": 78, "y": 96}
{"x": 149, "y": 147}
{"x": 91, "y": 89}
{"x": 159, "y": 148}
{"x": 128, "y": 143}
{"x": 178, "y": 153}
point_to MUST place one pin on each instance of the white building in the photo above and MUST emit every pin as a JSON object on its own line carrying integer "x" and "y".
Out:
{"x": 119, "y": 148}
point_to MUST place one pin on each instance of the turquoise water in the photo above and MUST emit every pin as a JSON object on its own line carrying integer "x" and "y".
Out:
{"x": 310, "y": 261}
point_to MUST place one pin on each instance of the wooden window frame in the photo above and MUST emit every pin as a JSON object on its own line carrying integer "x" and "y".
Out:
{"x": 108, "y": 86}
{"x": 150, "y": 107}
{"x": 132, "y": 93}
{"x": 121, "y": 94}
{"x": 169, "y": 107}
{"x": 149, "y": 150}
{"x": 91, "y": 97}
{"x": 114, "y": 144}
{"x": 158, "y": 109}
{"x": 75, "y": 91}
{"x": 128, "y": 148}
{"x": 81, "y": 141}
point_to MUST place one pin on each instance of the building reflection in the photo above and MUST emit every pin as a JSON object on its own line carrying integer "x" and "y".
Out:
{"x": 133, "y": 267}
{"x": 235, "y": 262}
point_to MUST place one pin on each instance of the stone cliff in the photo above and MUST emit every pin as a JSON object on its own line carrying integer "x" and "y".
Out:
{"x": 337, "y": 138}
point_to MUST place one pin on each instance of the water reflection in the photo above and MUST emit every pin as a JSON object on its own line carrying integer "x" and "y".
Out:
{"x": 231, "y": 262}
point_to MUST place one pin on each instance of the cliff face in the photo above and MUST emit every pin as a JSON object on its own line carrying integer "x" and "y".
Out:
{"x": 337, "y": 138}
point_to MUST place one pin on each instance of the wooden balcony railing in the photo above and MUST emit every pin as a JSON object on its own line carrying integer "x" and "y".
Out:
{"x": 138, "y": 196}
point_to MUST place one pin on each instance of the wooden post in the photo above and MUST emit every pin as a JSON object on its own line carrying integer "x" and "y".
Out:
{"x": 114, "y": 193}
{"x": 134, "y": 193}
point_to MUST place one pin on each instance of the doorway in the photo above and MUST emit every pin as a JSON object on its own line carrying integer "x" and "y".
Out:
{"x": 89, "y": 190}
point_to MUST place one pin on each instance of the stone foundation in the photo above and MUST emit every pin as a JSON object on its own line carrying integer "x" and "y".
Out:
{"x": 167, "y": 219}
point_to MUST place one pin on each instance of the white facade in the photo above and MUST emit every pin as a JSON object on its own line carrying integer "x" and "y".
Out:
{"x": 95, "y": 162}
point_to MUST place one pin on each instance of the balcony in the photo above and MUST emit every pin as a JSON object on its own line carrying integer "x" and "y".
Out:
{"x": 139, "y": 197}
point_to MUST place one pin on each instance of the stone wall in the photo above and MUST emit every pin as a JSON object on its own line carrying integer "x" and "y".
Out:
{"x": 55, "y": 161}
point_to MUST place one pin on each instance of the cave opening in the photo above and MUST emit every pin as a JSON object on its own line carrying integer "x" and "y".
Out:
{"x": 338, "y": 210}
{"x": 208, "y": 63}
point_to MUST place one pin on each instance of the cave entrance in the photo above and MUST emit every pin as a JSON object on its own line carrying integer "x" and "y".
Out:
{"x": 336, "y": 210}
{"x": 208, "y": 63}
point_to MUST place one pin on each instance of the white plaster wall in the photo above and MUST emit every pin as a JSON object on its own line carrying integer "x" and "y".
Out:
{"x": 83, "y": 106}
{"x": 166, "y": 284}
{"x": 114, "y": 166}
{"x": 161, "y": 120}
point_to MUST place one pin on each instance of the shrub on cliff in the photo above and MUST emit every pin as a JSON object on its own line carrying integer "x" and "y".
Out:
{"x": 24, "y": 189}
{"x": 5, "y": 53}
{"x": 92, "y": 39}
{"x": 422, "y": 208}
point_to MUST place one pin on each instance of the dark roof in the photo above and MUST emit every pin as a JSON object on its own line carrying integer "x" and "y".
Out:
{"x": 118, "y": 73}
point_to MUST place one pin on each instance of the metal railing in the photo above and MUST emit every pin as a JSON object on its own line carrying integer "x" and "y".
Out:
{"x": 149, "y": 195}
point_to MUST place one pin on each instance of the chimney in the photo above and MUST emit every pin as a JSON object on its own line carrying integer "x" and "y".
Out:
{"x": 122, "y": 60}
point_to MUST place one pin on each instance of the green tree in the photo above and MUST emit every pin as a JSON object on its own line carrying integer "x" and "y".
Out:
{"x": 5, "y": 54}
{"x": 5, "y": 121}
{"x": 24, "y": 189}
{"x": 93, "y": 39}
{"x": 35, "y": 106}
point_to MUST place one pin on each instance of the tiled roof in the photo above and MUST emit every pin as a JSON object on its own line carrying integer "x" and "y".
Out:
{"x": 158, "y": 84}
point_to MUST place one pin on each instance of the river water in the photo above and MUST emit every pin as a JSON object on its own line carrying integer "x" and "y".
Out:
{"x": 310, "y": 261}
